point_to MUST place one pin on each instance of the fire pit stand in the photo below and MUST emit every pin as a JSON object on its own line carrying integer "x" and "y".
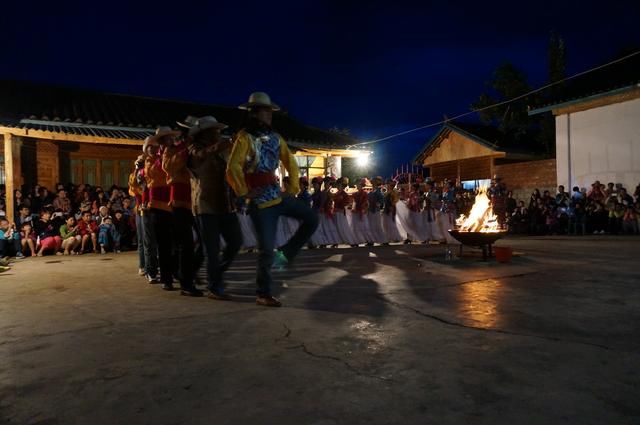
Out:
{"x": 482, "y": 240}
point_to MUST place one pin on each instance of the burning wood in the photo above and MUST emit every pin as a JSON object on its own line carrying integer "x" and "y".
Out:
{"x": 481, "y": 217}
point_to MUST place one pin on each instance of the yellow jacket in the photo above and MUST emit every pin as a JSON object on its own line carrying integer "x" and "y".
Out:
{"x": 157, "y": 184}
{"x": 243, "y": 148}
{"x": 174, "y": 164}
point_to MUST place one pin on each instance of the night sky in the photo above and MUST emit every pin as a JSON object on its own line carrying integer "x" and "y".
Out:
{"x": 373, "y": 67}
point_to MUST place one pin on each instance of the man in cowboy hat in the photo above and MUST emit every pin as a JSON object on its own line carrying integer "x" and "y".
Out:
{"x": 211, "y": 201}
{"x": 159, "y": 210}
{"x": 174, "y": 164}
{"x": 256, "y": 155}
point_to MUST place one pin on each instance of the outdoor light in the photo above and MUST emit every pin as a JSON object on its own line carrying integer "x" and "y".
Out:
{"x": 363, "y": 159}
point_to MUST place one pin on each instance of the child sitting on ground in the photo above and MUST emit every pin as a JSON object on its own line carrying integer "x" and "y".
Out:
{"x": 28, "y": 238}
{"x": 9, "y": 240}
{"x": 70, "y": 237}
{"x": 48, "y": 237}
{"x": 88, "y": 229}
{"x": 108, "y": 236}
{"x": 122, "y": 225}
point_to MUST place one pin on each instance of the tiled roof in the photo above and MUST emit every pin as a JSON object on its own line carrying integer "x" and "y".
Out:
{"x": 87, "y": 112}
{"x": 611, "y": 78}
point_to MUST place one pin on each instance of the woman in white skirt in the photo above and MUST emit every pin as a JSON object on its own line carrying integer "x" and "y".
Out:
{"x": 360, "y": 216}
{"x": 327, "y": 222}
{"x": 376, "y": 204}
{"x": 341, "y": 201}
{"x": 317, "y": 203}
{"x": 392, "y": 230}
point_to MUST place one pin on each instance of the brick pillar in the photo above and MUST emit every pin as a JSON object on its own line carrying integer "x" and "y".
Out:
{"x": 47, "y": 157}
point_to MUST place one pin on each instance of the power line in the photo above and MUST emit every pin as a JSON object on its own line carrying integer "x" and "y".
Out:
{"x": 505, "y": 102}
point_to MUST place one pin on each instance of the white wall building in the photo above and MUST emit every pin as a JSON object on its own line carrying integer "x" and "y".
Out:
{"x": 598, "y": 138}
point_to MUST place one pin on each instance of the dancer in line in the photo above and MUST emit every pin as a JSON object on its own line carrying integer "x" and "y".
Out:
{"x": 256, "y": 155}
{"x": 212, "y": 203}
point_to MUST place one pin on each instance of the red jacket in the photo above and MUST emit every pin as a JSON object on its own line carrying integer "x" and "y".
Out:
{"x": 86, "y": 229}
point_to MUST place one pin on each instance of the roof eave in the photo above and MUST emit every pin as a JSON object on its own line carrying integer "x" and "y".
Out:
{"x": 573, "y": 102}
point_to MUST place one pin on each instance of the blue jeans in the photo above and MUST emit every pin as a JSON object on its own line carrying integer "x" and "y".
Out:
{"x": 140, "y": 240}
{"x": 211, "y": 227}
{"x": 265, "y": 221}
{"x": 109, "y": 237}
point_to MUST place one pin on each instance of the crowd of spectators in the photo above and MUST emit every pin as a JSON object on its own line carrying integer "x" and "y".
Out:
{"x": 73, "y": 220}
{"x": 609, "y": 209}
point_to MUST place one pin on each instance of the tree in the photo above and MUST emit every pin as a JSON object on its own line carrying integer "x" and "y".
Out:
{"x": 508, "y": 83}
{"x": 557, "y": 64}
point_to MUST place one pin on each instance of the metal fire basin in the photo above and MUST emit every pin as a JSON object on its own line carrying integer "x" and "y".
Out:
{"x": 482, "y": 240}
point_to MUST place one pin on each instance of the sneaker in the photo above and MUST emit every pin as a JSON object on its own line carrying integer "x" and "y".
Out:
{"x": 19, "y": 256}
{"x": 141, "y": 272}
{"x": 191, "y": 292}
{"x": 167, "y": 286}
{"x": 268, "y": 301}
{"x": 219, "y": 296}
{"x": 102, "y": 250}
{"x": 280, "y": 261}
{"x": 152, "y": 279}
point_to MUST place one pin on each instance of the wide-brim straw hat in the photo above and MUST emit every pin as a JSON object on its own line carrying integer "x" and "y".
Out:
{"x": 206, "y": 123}
{"x": 163, "y": 131}
{"x": 188, "y": 122}
{"x": 257, "y": 99}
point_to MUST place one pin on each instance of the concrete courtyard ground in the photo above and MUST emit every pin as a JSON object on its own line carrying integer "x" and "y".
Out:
{"x": 384, "y": 335}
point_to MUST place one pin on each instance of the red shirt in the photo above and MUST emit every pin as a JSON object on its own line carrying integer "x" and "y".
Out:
{"x": 86, "y": 229}
{"x": 341, "y": 200}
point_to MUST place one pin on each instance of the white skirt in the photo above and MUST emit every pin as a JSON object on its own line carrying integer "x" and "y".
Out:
{"x": 375, "y": 226}
{"x": 430, "y": 224}
{"x": 411, "y": 221}
{"x": 329, "y": 230}
{"x": 318, "y": 237}
{"x": 249, "y": 240}
{"x": 361, "y": 227}
{"x": 281, "y": 232}
{"x": 444, "y": 223}
{"x": 392, "y": 230}
{"x": 344, "y": 229}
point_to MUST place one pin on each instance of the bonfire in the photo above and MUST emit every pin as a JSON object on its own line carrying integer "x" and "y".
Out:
{"x": 481, "y": 217}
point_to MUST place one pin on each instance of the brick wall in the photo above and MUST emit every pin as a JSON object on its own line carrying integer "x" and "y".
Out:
{"x": 523, "y": 177}
{"x": 47, "y": 160}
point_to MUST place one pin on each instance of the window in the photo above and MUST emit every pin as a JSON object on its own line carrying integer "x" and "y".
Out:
{"x": 474, "y": 184}
{"x": 311, "y": 166}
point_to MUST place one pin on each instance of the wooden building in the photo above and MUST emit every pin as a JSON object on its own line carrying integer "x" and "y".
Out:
{"x": 471, "y": 154}
{"x": 54, "y": 134}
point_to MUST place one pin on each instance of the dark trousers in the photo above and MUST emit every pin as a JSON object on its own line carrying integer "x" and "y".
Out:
{"x": 265, "y": 221}
{"x": 140, "y": 240}
{"x": 183, "y": 245}
{"x": 10, "y": 247}
{"x": 150, "y": 243}
{"x": 211, "y": 227}
{"x": 162, "y": 223}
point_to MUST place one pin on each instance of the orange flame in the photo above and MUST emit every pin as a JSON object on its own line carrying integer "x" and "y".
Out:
{"x": 481, "y": 217}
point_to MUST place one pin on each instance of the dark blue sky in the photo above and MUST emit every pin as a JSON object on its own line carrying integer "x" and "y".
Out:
{"x": 375, "y": 67}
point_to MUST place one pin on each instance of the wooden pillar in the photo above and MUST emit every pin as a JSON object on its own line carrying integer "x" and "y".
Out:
{"x": 491, "y": 167}
{"x": 458, "y": 178}
{"x": 99, "y": 174}
{"x": 10, "y": 182}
